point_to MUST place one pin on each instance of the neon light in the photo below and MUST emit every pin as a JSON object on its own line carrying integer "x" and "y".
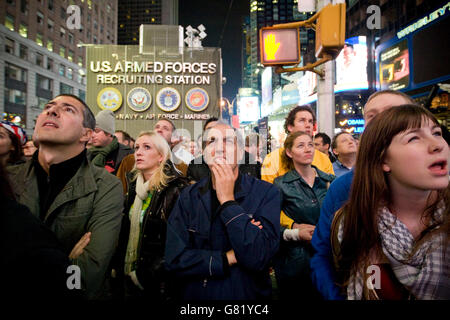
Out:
{"x": 423, "y": 21}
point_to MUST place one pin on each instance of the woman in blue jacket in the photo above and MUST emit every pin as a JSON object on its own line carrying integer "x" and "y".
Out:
{"x": 303, "y": 189}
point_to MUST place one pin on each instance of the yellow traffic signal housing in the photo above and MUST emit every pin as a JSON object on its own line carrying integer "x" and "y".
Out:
{"x": 330, "y": 30}
{"x": 279, "y": 46}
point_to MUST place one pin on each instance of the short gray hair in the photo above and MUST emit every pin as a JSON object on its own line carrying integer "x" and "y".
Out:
{"x": 239, "y": 138}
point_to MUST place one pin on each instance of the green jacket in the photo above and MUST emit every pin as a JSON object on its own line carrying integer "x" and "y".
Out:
{"x": 301, "y": 203}
{"x": 92, "y": 201}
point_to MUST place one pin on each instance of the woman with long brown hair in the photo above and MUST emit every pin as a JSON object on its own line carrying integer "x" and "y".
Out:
{"x": 390, "y": 240}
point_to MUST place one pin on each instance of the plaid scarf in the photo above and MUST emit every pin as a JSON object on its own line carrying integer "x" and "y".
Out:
{"x": 425, "y": 273}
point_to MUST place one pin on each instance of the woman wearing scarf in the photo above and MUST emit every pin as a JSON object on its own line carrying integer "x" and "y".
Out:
{"x": 390, "y": 241}
{"x": 303, "y": 189}
{"x": 153, "y": 189}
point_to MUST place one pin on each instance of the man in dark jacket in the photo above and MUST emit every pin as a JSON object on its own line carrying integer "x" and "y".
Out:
{"x": 81, "y": 203}
{"x": 198, "y": 169}
{"x": 107, "y": 152}
{"x": 224, "y": 230}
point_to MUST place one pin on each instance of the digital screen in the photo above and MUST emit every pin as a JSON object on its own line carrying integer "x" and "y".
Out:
{"x": 351, "y": 65}
{"x": 431, "y": 52}
{"x": 248, "y": 109}
{"x": 266, "y": 92}
{"x": 394, "y": 66}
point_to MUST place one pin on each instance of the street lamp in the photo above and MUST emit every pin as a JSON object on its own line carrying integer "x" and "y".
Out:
{"x": 224, "y": 102}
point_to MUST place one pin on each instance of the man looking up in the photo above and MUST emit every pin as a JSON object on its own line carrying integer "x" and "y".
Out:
{"x": 107, "y": 152}
{"x": 224, "y": 230}
{"x": 198, "y": 168}
{"x": 81, "y": 203}
{"x": 345, "y": 149}
{"x": 322, "y": 271}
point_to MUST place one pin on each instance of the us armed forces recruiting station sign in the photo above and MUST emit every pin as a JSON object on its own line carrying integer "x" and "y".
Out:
{"x": 142, "y": 88}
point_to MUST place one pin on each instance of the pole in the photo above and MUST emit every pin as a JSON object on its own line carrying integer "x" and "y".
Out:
{"x": 325, "y": 92}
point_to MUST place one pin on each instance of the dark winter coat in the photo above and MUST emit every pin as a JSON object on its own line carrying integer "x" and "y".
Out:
{"x": 150, "y": 252}
{"x": 301, "y": 203}
{"x": 197, "y": 240}
{"x": 198, "y": 169}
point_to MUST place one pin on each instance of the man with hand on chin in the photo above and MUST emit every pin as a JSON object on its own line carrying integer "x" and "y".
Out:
{"x": 223, "y": 230}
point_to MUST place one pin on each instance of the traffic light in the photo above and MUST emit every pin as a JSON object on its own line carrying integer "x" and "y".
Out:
{"x": 330, "y": 30}
{"x": 279, "y": 46}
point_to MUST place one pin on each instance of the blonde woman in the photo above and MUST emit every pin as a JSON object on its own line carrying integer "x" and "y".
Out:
{"x": 153, "y": 188}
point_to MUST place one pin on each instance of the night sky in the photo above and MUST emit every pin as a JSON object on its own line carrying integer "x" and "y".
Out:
{"x": 212, "y": 15}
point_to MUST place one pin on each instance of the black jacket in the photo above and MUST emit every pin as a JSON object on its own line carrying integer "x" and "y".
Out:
{"x": 150, "y": 266}
{"x": 33, "y": 264}
{"x": 115, "y": 158}
{"x": 198, "y": 169}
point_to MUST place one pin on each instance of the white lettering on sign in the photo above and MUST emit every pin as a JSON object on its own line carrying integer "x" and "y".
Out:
{"x": 147, "y": 72}
{"x": 153, "y": 67}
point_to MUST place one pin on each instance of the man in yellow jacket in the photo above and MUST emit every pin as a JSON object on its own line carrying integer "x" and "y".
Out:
{"x": 301, "y": 118}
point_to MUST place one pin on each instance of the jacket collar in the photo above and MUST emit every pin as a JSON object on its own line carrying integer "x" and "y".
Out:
{"x": 241, "y": 189}
{"x": 205, "y": 185}
{"x": 169, "y": 170}
{"x": 82, "y": 183}
{"x": 293, "y": 175}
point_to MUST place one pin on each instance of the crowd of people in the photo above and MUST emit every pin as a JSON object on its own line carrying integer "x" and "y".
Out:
{"x": 103, "y": 216}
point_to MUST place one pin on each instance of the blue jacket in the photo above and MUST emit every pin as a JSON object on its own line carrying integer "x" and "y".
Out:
{"x": 197, "y": 241}
{"x": 322, "y": 269}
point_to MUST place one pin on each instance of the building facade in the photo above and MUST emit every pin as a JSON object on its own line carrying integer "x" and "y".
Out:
{"x": 42, "y": 51}
{"x": 133, "y": 13}
{"x": 265, "y": 13}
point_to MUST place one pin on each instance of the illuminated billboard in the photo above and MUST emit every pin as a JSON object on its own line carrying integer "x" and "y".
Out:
{"x": 417, "y": 56}
{"x": 351, "y": 65}
{"x": 266, "y": 92}
{"x": 394, "y": 66}
{"x": 248, "y": 109}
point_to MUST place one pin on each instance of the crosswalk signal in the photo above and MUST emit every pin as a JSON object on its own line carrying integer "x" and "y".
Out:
{"x": 330, "y": 30}
{"x": 279, "y": 46}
